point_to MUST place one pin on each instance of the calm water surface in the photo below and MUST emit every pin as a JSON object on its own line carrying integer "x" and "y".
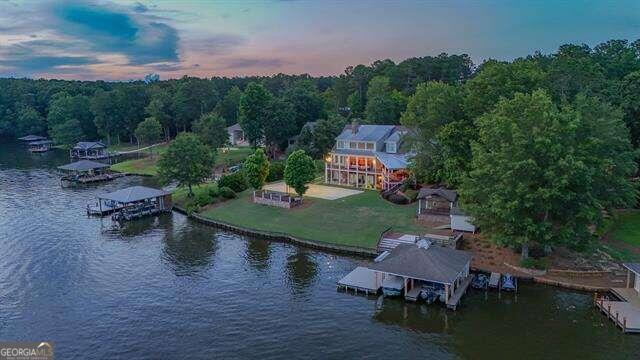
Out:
{"x": 169, "y": 288}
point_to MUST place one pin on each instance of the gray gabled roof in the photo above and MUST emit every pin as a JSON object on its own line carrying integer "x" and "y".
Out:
{"x": 450, "y": 195}
{"x": 86, "y": 145}
{"x": 435, "y": 263}
{"x": 394, "y": 161}
{"x": 234, "y": 127}
{"x": 40, "y": 142}
{"x": 133, "y": 194}
{"x": 83, "y": 165}
{"x": 635, "y": 267}
{"x": 32, "y": 138}
{"x": 365, "y": 132}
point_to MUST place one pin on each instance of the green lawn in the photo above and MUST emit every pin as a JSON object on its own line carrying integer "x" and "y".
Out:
{"x": 148, "y": 165}
{"x": 356, "y": 220}
{"x": 622, "y": 233}
{"x": 626, "y": 228}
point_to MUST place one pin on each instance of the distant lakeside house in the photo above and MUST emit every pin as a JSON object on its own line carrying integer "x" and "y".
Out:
{"x": 236, "y": 136}
{"x": 368, "y": 156}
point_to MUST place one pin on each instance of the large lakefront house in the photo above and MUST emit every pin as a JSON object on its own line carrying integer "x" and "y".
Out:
{"x": 368, "y": 156}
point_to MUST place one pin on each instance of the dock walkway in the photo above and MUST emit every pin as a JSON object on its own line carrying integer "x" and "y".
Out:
{"x": 414, "y": 293}
{"x": 360, "y": 279}
{"x": 625, "y": 313}
{"x": 454, "y": 300}
{"x": 494, "y": 280}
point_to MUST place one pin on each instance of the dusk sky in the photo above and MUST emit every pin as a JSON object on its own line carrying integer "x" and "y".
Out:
{"x": 121, "y": 40}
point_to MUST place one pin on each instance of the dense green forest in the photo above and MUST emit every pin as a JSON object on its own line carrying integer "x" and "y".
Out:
{"x": 538, "y": 146}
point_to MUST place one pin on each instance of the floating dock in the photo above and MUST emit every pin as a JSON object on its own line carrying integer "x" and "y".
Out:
{"x": 362, "y": 280}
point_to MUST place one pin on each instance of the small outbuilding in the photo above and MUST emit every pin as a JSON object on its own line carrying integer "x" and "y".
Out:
{"x": 89, "y": 150}
{"x": 439, "y": 207}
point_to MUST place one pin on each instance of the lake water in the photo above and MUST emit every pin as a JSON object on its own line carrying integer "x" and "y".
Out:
{"x": 167, "y": 287}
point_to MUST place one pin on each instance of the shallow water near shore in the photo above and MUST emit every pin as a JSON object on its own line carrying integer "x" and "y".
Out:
{"x": 167, "y": 287}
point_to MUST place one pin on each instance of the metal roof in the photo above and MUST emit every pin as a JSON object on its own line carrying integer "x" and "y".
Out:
{"x": 83, "y": 165}
{"x": 40, "y": 142}
{"x": 635, "y": 267}
{"x": 366, "y": 132}
{"x": 86, "y": 145}
{"x": 32, "y": 138}
{"x": 354, "y": 152}
{"x": 393, "y": 161}
{"x": 435, "y": 263}
{"x": 234, "y": 127}
{"x": 450, "y": 195}
{"x": 133, "y": 194}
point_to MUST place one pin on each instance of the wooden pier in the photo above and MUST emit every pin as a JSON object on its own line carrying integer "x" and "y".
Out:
{"x": 454, "y": 300}
{"x": 625, "y": 313}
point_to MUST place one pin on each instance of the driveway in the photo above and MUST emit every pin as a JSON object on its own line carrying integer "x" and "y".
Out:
{"x": 317, "y": 191}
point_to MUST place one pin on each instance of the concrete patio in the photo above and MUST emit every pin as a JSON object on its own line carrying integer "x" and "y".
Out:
{"x": 317, "y": 191}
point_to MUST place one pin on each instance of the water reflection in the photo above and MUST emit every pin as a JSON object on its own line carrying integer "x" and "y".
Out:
{"x": 144, "y": 225}
{"x": 433, "y": 319}
{"x": 189, "y": 250}
{"x": 301, "y": 269}
{"x": 258, "y": 253}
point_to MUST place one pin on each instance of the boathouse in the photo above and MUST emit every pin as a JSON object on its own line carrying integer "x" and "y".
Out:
{"x": 89, "y": 150}
{"x": 40, "y": 146}
{"x": 84, "y": 171}
{"x": 132, "y": 202}
{"x": 427, "y": 265}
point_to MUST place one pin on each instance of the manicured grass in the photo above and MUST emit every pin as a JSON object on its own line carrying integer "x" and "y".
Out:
{"x": 144, "y": 166}
{"x": 622, "y": 236}
{"x": 626, "y": 228}
{"x": 356, "y": 220}
{"x": 233, "y": 156}
{"x": 148, "y": 165}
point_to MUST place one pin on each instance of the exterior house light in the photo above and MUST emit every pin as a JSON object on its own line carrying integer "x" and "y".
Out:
{"x": 328, "y": 158}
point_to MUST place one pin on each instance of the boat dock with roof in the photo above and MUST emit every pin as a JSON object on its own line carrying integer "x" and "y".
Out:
{"x": 411, "y": 269}
{"x": 132, "y": 203}
{"x": 84, "y": 172}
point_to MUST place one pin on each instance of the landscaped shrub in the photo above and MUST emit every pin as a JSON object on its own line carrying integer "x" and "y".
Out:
{"x": 236, "y": 181}
{"x": 411, "y": 194}
{"x": 398, "y": 198}
{"x": 203, "y": 198}
{"x": 533, "y": 263}
{"x": 227, "y": 193}
{"x": 276, "y": 171}
{"x": 213, "y": 191}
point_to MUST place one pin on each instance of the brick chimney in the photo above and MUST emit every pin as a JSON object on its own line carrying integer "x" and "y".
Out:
{"x": 354, "y": 126}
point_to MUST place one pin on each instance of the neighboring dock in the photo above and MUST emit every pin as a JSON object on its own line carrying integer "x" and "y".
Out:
{"x": 625, "y": 310}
